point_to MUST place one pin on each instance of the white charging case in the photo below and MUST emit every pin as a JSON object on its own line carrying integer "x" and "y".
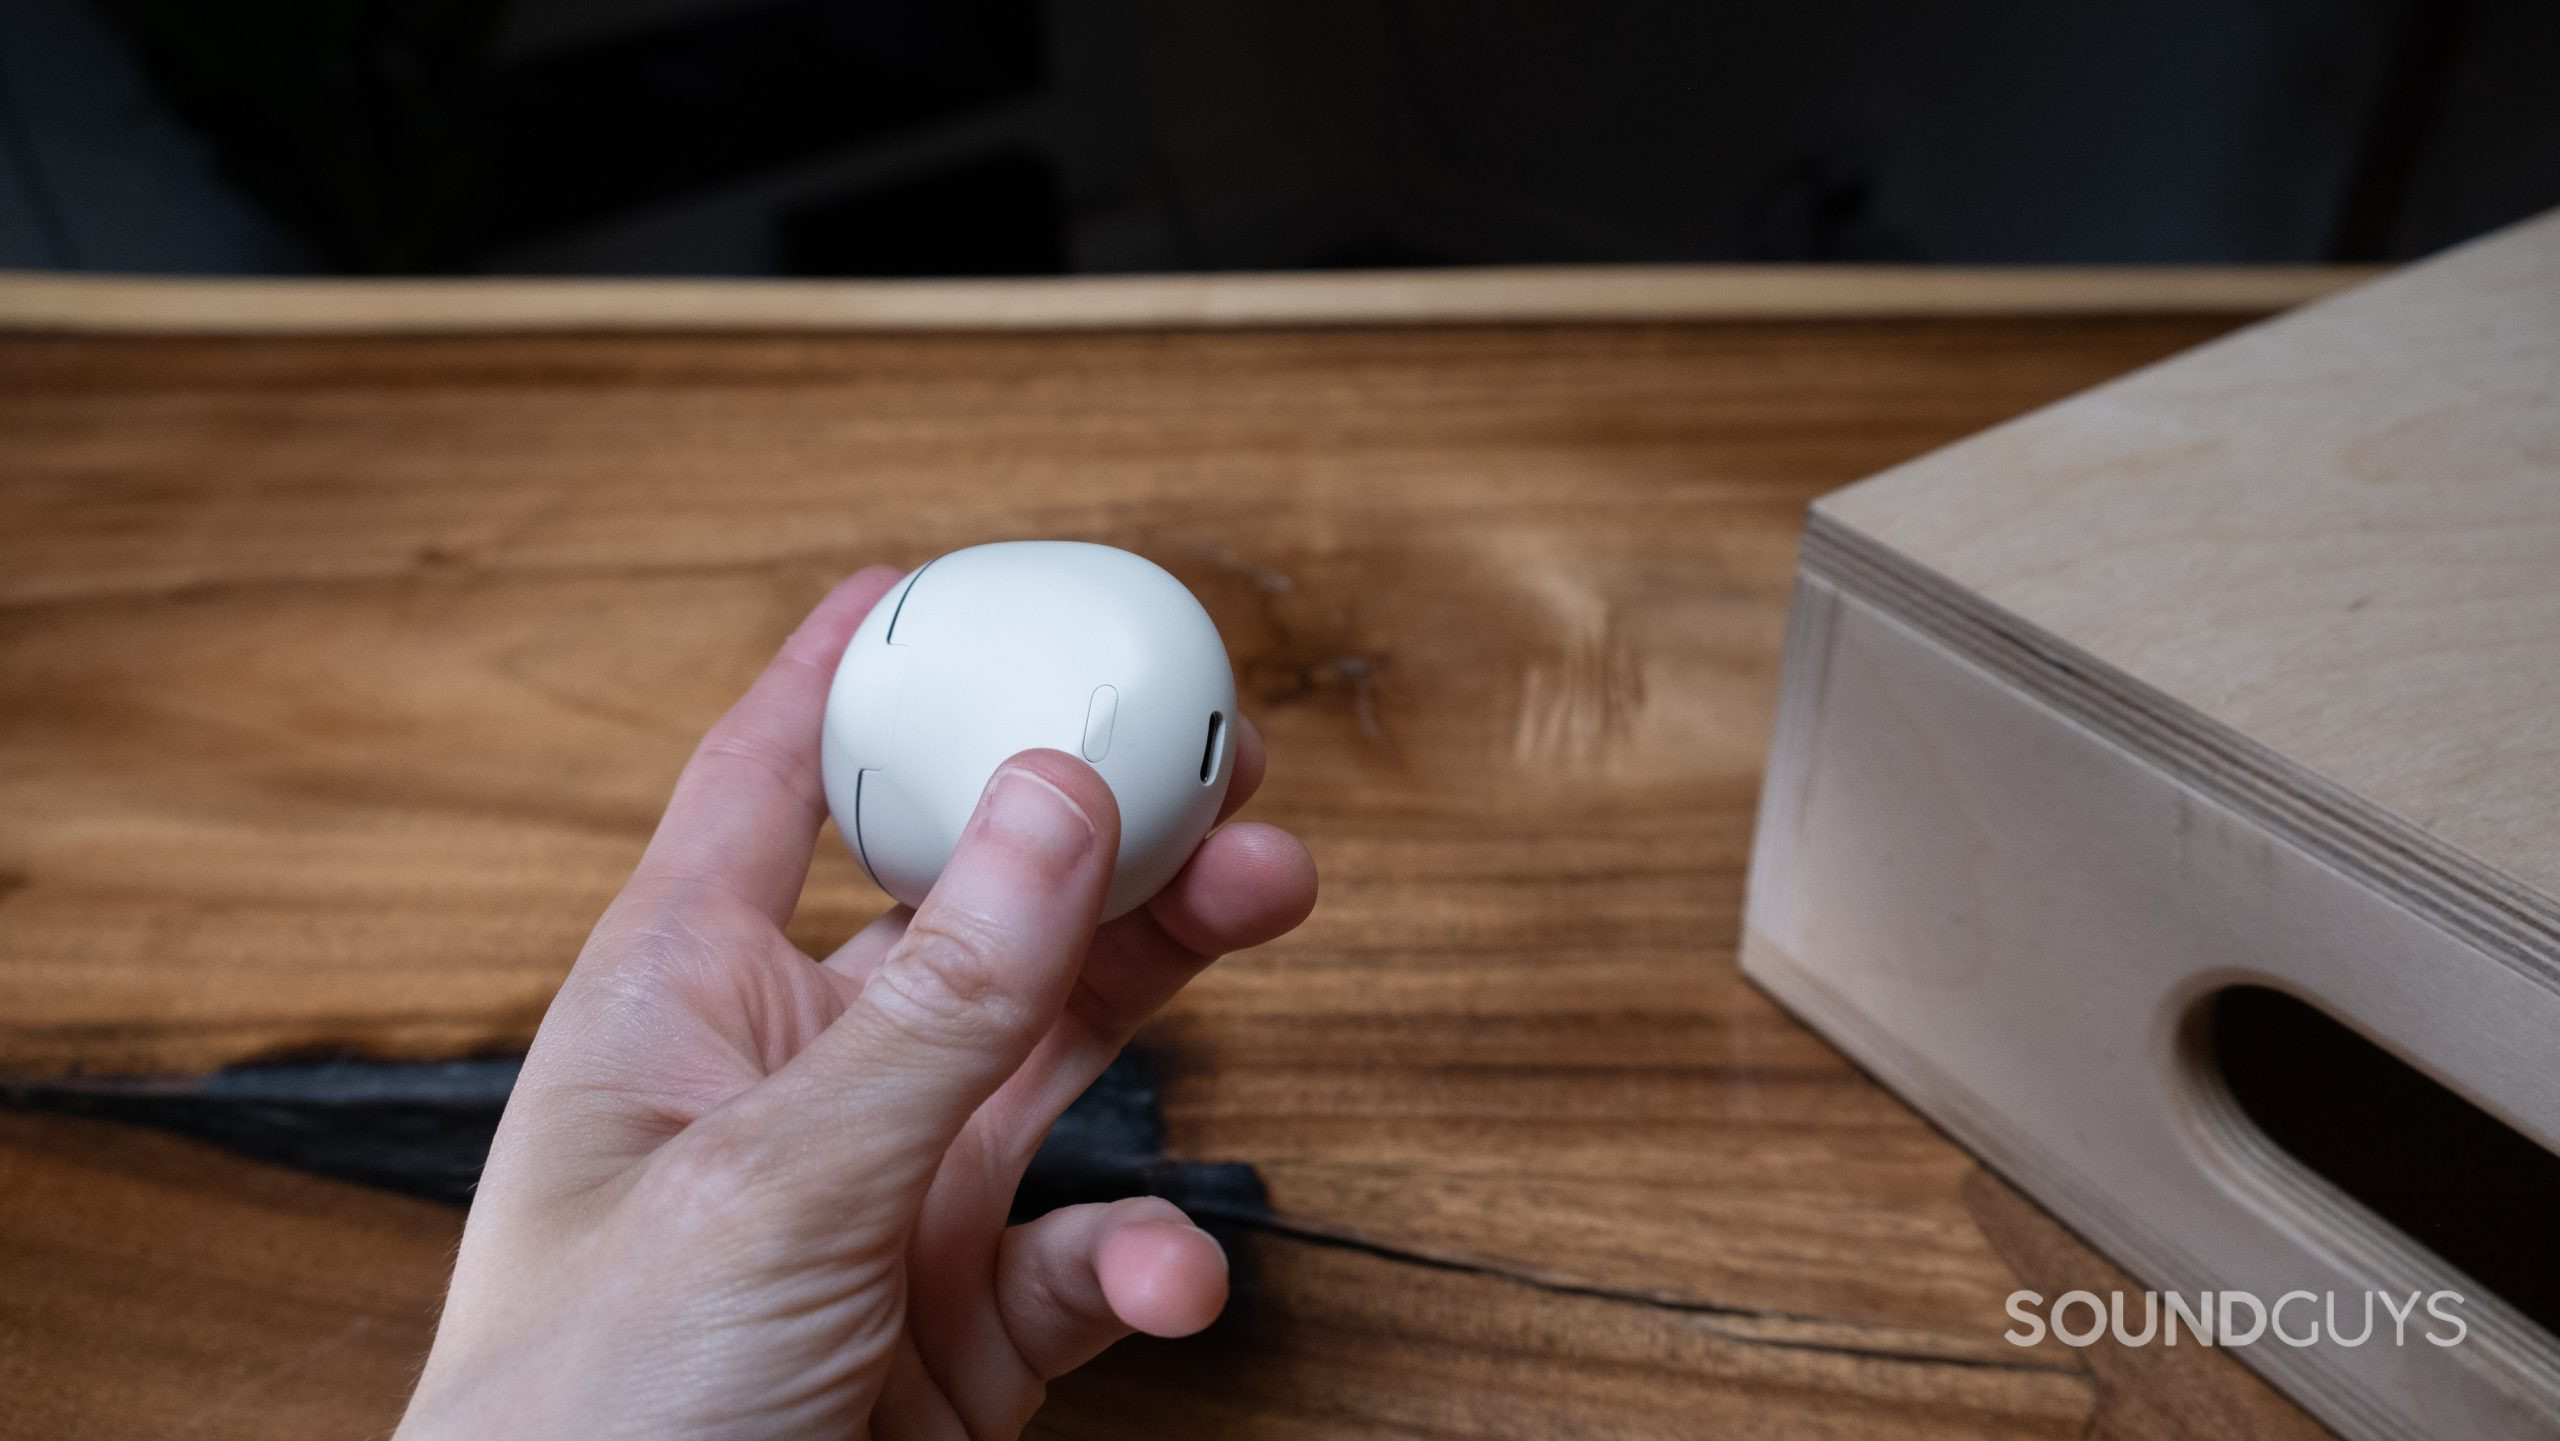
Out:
{"x": 998, "y": 649}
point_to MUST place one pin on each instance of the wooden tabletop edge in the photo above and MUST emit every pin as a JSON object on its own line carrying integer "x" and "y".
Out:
{"x": 171, "y": 305}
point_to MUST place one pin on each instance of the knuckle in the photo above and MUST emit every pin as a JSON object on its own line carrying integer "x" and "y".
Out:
{"x": 729, "y": 1199}
{"x": 1054, "y": 1288}
{"x": 669, "y": 940}
{"x": 708, "y": 1180}
{"x": 1135, "y": 1210}
{"x": 948, "y": 982}
{"x": 746, "y": 745}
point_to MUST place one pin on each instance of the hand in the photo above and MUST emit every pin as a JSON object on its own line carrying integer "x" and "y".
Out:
{"x": 742, "y": 1193}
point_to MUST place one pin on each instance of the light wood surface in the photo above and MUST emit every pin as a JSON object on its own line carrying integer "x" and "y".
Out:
{"x": 340, "y": 680}
{"x": 1633, "y": 293}
{"x": 2015, "y": 922}
{"x": 2241, "y": 670}
{"x": 2335, "y": 544}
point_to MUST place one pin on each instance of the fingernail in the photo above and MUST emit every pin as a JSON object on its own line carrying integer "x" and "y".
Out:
{"x": 1038, "y": 818}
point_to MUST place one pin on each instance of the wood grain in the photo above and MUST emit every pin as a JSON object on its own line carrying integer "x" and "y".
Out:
{"x": 160, "y": 1289}
{"x": 2334, "y": 541}
{"x": 150, "y": 1287}
{"x": 1334, "y": 1343}
{"x": 2239, "y": 671}
{"x": 340, "y": 680}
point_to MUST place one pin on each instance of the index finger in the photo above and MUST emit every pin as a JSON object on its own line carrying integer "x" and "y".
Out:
{"x": 746, "y": 811}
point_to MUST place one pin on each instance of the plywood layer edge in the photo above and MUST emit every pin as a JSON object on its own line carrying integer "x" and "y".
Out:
{"x": 2312, "y": 568}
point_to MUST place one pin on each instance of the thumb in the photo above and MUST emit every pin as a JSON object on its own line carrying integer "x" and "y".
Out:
{"x": 867, "y": 1110}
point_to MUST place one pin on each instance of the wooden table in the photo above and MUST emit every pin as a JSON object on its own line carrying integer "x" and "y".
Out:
{"x": 349, "y": 641}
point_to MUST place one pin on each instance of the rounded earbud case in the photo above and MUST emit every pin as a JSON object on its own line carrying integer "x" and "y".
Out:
{"x": 997, "y": 649}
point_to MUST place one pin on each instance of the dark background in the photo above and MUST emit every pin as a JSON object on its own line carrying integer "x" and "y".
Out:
{"x": 816, "y": 137}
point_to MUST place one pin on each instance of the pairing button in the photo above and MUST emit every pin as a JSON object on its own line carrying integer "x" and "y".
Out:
{"x": 1098, "y": 716}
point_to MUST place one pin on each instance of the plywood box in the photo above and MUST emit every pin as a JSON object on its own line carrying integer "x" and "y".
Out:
{"x": 2107, "y": 731}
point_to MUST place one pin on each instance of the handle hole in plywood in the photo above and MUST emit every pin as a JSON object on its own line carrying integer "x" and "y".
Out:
{"x": 2472, "y": 1192}
{"x": 1209, "y": 750}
